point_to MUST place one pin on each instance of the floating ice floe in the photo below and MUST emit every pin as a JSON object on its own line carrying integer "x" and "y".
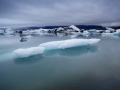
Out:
{"x": 113, "y": 34}
{"x": 9, "y": 31}
{"x": 86, "y": 33}
{"x": 117, "y": 32}
{"x": 20, "y": 53}
{"x": 1, "y": 32}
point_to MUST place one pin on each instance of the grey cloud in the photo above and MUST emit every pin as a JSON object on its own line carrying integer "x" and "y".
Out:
{"x": 18, "y": 13}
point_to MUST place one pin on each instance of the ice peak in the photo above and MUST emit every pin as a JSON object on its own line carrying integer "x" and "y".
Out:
{"x": 74, "y": 27}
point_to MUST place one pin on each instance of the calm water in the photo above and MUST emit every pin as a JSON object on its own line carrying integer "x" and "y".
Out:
{"x": 95, "y": 67}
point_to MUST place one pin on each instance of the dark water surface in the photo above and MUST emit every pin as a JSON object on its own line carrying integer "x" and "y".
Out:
{"x": 95, "y": 67}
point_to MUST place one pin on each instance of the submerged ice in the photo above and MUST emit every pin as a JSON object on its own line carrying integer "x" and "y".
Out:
{"x": 21, "y": 53}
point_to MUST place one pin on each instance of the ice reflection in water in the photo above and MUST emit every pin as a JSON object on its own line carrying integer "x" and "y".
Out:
{"x": 71, "y": 52}
{"x": 28, "y": 60}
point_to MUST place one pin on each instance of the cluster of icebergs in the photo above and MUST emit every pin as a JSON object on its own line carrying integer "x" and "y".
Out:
{"x": 7, "y": 31}
{"x": 62, "y": 31}
{"x": 106, "y": 32}
{"x": 71, "y": 30}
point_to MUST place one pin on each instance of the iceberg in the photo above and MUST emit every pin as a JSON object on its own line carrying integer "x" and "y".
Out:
{"x": 74, "y": 27}
{"x": 108, "y": 28}
{"x": 9, "y": 31}
{"x": 1, "y": 32}
{"x": 86, "y": 33}
{"x": 63, "y": 44}
{"x": 117, "y": 32}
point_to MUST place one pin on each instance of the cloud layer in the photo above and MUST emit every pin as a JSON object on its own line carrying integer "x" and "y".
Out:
{"x": 20, "y": 13}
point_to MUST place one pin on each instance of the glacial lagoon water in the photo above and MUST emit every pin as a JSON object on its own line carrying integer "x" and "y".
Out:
{"x": 89, "y": 67}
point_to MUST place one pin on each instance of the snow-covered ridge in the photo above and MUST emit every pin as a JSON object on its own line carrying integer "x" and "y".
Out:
{"x": 21, "y": 53}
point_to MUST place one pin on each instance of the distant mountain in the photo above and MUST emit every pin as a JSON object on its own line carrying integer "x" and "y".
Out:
{"x": 86, "y": 27}
{"x": 118, "y": 27}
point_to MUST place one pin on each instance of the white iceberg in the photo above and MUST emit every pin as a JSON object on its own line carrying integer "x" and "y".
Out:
{"x": 1, "y": 32}
{"x": 9, "y": 31}
{"x": 21, "y": 53}
{"x": 117, "y": 32}
{"x": 74, "y": 27}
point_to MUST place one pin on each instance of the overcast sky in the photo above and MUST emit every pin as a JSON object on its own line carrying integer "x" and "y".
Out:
{"x": 22, "y": 13}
